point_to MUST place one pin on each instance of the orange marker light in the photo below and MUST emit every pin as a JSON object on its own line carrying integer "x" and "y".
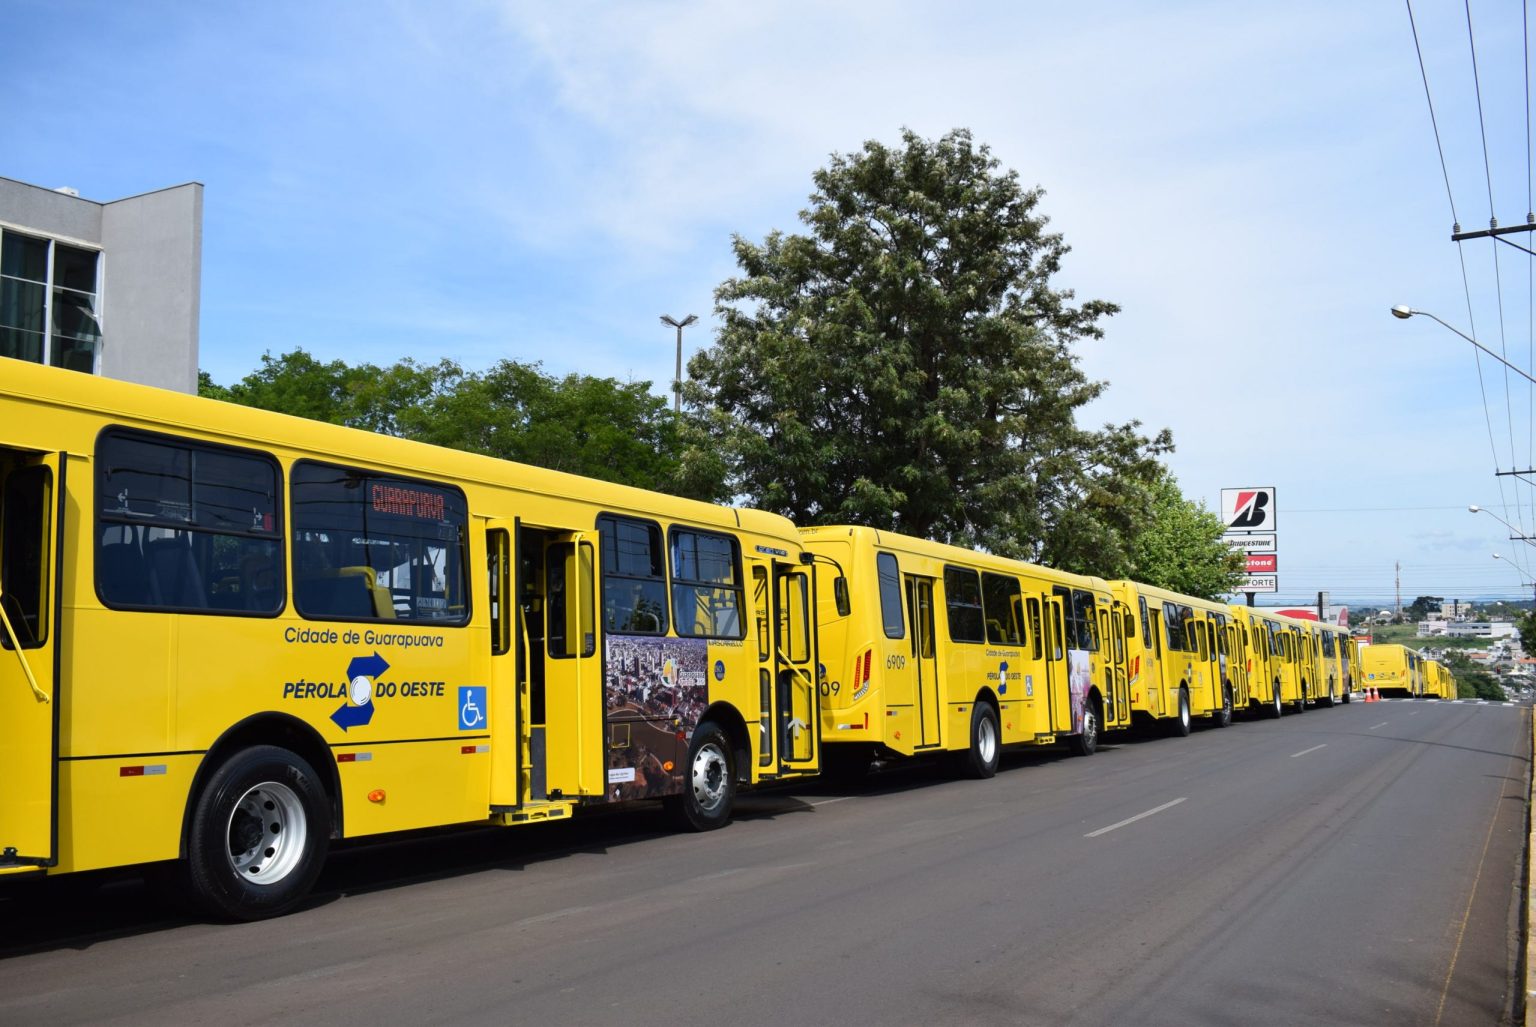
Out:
{"x": 667, "y": 766}
{"x": 377, "y": 795}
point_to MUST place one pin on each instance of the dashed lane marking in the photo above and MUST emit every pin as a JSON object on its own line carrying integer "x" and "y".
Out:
{"x": 1139, "y": 816}
{"x": 1305, "y": 751}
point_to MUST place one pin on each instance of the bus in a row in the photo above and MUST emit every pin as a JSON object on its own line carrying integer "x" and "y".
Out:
{"x": 229, "y": 637}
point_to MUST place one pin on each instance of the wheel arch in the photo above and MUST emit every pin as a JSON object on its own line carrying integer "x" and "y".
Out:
{"x": 730, "y": 721}
{"x": 269, "y": 728}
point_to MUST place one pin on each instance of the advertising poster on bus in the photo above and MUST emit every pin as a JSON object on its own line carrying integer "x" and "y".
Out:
{"x": 655, "y": 692}
{"x": 1079, "y": 680}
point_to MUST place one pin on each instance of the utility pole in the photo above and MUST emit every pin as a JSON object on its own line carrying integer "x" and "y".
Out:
{"x": 1397, "y": 579}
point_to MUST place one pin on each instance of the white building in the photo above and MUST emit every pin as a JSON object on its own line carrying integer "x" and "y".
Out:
{"x": 105, "y": 288}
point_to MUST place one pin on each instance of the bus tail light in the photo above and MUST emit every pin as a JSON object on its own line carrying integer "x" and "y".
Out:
{"x": 861, "y": 668}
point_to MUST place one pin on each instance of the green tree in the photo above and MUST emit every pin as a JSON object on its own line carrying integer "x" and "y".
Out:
{"x": 908, "y": 364}
{"x": 1421, "y": 608}
{"x": 1179, "y": 547}
{"x": 1472, "y": 681}
{"x": 598, "y": 427}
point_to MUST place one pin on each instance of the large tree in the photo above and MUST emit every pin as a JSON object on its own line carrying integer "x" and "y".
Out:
{"x": 907, "y": 363}
{"x": 1180, "y": 547}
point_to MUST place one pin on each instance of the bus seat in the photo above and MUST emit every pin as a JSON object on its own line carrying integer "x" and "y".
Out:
{"x": 383, "y": 602}
{"x": 174, "y": 572}
{"x": 335, "y": 596}
{"x": 122, "y": 575}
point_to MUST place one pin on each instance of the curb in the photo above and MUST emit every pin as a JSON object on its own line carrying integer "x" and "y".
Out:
{"x": 1527, "y": 1005}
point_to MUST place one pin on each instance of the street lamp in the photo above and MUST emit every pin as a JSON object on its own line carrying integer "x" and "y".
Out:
{"x": 1516, "y": 537}
{"x": 1404, "y": 313}
{"x": 1524, "y": 579}
{"x": 677, "y": 383}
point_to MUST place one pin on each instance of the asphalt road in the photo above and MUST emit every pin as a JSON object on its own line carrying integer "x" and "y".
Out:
{"x": 1349, "y": 866}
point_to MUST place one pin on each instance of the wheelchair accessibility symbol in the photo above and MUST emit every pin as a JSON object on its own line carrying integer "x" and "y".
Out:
{"x": 472, "y": 710}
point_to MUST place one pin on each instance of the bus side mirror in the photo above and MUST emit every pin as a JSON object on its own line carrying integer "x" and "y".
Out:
{"x": 840, "y": 595}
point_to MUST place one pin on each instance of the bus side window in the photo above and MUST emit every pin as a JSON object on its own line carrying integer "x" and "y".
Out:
{"x": 1034, "y": 627}
{"x": 26, "y": 554}
{"x": 890, "y": 595}
{"x": 634, "y": 578}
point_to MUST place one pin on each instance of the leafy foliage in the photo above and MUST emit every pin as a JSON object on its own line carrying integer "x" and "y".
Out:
{"x": 908, "y": 364}
{"x": 1180, "y": 547}
{"x": 1472, "y": 681}
{"x": 598, "y": 427}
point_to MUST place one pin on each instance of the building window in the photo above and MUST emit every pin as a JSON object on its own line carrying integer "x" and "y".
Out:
{"x": 49, "y": 302}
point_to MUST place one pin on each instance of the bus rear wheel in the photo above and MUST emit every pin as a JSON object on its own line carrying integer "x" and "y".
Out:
{"x": 1179, "y": 726}
{"x": 981, "y": 759}
{"x": 709, "y": 790}
{"x": 258, "y": 836}
{"x": 1276, "y": 706}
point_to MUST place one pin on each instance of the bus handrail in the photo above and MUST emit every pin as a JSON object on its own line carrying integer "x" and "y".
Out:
{"x": 26, "y": 668}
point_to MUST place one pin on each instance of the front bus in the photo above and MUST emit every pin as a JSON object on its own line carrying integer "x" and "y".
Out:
{"x": 231, "y": 636}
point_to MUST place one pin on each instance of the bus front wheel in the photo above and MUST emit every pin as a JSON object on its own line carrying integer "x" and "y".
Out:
{"x": 1223, "y": 716}
{"x": 1276, "y": 706}
{"x": 710, "y": 786}
{"x": 258, "y": 835}
{"x": 1086, "y": 741}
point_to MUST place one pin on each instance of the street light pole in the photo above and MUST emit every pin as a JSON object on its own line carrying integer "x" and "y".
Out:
{"x": 677, "y": 382}
{"x": 1404, "y": 313}
{"x": 1523, "y": 579}
{"x": 1516, "y": 537}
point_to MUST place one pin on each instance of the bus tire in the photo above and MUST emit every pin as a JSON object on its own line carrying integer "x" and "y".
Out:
{"x": 1328, "y": 700}
{"x": 710, "y": 787}
{"x": 1223, "y": 716}
{"x": 258, "y": 835}
{"x": 1301, "y": 704}
{"x": 1276, "y": 705}
{"x": 1086, "y": 741}
{"x": 1345, "y": 697}
{"x": 1179, "y": 726}
{"x": 980, "y": 760}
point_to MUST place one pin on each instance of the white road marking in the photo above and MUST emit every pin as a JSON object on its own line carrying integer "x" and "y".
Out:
{"x": 828, "y": 802}
{"x": 1305, "y": 751}
{"x": 1132, "y": 820}
{"x": 1373, "y": 727}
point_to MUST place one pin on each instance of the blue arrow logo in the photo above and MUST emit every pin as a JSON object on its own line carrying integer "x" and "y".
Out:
{"x": 352, "y": 716}
{"x": 348, "y": 715}
{"x": 366, "y": 666}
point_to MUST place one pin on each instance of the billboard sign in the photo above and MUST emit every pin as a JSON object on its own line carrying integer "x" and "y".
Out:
{"x": 1248, "y": 509}
{"x": 1259, "y": 583}
{"x": 1255, "y": 542}
{"x": 1262, "y": 563}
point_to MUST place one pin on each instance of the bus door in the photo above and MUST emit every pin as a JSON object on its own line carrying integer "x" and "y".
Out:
{"x": 546, "y": 695}
{"x": 1121, "y": 683}
{"x": 924, "y": 659}
{"x": 796, "y": 672}
{"x": 1058, "y": 684}
{"x": 31, "y": 565}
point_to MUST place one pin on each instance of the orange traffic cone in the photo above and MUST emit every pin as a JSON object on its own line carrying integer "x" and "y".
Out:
{"x": 1375, "y": 695}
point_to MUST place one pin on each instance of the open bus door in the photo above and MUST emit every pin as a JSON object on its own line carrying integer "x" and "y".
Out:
{"x": 31, "y": 564}
{"x": 796, "y": 671}
{"x": 547, "y": 681}
{"x": 1058, "y": 686}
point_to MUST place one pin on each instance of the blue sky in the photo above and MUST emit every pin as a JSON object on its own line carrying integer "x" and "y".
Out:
{"x": 1256, "y": 185}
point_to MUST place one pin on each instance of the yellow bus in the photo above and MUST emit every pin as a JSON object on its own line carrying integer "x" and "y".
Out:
{"x": 1333, "y": 680}
{"x": 1439, "y": 682}
{"x": 1284, "y": 665}
{"x": 1394, "y": 670}
{"x": 231, "y": 636}
{"x": 942, "y": 650}
{"x": 1184, "y": 657}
